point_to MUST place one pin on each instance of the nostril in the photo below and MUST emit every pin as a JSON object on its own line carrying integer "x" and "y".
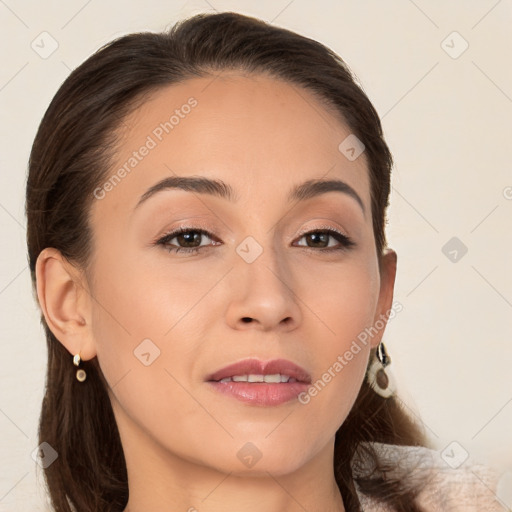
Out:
{"x": 247, "y": 319}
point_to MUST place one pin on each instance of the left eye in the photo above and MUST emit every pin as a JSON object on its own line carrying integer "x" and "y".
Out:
{"x": 323, "y": 235}
{"x": 191, "y": 238}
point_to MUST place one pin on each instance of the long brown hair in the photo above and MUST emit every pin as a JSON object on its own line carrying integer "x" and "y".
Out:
{"x": 71, "y": 156}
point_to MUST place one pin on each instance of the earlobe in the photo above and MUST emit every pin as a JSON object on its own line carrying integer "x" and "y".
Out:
{"x": 64, "y": 302}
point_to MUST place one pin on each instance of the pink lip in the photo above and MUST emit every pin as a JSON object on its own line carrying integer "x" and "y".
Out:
{"x": 261, "y": 393}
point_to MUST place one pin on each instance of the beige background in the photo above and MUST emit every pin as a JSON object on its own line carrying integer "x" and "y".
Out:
{"x": 447, "y": 115}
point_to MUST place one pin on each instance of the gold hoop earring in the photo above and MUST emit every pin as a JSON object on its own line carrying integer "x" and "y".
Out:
{"x": 80, "y": 374}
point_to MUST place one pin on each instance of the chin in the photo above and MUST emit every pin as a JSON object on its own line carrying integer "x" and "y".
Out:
{"x": 262, "y": 455}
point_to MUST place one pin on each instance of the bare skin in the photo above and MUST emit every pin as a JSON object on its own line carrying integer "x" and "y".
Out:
{"x": 182, "y": 439}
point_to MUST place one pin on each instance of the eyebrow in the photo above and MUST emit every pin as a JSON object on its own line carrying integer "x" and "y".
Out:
{"x": 215, "y": 187}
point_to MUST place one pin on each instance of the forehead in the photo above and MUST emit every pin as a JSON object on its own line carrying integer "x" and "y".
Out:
{"x": 260, "y": 134}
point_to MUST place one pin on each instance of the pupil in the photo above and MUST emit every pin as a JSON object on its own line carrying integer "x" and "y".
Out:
{"x": 321, "y": 236}
{"x": 189, "y": 237}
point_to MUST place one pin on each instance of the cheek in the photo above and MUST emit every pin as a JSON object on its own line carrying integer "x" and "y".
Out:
{"x": 138, "y": 299}
{"x": 144, "y": 323}
{"x": 346, "y": 303}
{"x": 130, "y": 318}
{"x": 143, "y": 330}
{"x": 346, "y": 309}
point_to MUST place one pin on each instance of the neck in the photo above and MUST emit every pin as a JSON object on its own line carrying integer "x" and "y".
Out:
{"x": 221, "y": 492}
{"x": 160, "y": 481}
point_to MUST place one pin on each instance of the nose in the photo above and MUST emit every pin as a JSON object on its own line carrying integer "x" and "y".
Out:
{"x": 262, "y": 294}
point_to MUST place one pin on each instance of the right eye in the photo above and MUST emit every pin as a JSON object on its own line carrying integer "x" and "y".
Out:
{"x": 184, "y": 235}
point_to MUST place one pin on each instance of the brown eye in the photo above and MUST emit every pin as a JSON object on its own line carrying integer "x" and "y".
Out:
{"x": 187, "y": 240}
{"x": 320, "y": 239}
{"x": 189, "y": 237}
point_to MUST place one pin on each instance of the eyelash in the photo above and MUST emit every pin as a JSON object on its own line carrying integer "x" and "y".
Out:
{"x": 345, "y": 242}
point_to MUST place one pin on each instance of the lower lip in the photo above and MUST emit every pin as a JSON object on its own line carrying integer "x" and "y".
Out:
{"x": 260, "y": 393}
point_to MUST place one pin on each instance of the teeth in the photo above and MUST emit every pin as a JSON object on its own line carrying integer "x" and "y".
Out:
{"x": 272, "y": 379}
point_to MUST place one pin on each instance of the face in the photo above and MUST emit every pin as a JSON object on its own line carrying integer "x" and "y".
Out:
{"x": 258, "y": 274}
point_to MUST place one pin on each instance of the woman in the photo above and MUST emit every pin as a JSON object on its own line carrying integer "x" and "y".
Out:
{"x": 206, "y": 212}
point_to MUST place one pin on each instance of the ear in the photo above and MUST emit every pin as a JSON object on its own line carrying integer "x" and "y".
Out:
{"x": 65, "y": 302}
{"x": 385, "y": 303}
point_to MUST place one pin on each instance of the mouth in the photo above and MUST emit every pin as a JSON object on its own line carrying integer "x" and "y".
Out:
{"x": 273, "y": 378}
{"x": 261, "y": 383}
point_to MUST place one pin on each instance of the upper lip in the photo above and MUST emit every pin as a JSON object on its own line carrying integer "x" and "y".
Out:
{"x": 257, "y": 367}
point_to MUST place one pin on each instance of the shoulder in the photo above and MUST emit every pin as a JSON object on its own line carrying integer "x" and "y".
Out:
{"x": 445, "y": 483}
